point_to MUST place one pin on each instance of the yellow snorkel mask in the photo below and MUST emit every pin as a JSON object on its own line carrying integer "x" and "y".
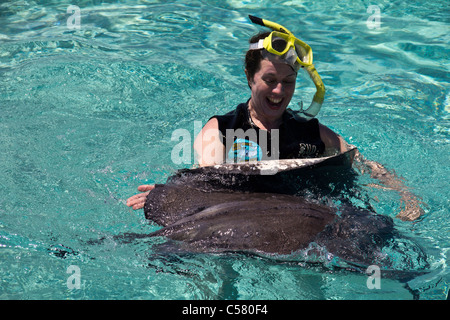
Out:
{"x": 282, "y": 45}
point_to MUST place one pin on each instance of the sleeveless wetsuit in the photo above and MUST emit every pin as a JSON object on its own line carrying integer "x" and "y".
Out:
{"x": 297, "y": 138}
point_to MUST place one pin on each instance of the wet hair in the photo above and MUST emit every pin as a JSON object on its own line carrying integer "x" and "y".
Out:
{"x": 253, "y": 57}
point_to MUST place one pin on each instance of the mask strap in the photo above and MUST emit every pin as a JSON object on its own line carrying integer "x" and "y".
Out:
{"x": 257, "y": 45}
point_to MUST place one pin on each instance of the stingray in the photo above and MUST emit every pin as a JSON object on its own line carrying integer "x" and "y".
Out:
{"x": 266, "y": 223}
{"x": 262, "y": 208}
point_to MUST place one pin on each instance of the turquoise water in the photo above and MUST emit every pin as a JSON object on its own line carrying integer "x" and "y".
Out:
{"x": 87, "y": 115}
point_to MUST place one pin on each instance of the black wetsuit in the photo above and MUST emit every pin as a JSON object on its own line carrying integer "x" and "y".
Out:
{"x": 297, "y": 138}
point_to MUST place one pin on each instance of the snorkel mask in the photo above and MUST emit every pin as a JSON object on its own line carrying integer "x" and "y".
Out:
{"x": 282, "y": 46}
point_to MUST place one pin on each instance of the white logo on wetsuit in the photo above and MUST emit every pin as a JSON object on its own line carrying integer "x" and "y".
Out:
{"x": 306, "y": 149}
{"x": 244, "y": 150}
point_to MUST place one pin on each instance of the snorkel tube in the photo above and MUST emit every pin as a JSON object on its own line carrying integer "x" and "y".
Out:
{"x": 319, "y": 96}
